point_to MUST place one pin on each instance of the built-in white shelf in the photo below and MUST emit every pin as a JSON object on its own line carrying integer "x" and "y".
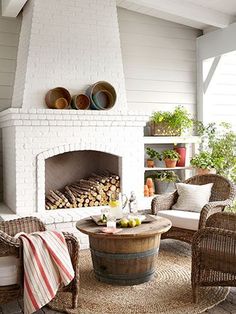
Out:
{"x": 171, "y": 139}
{"x": 164, "y": 168}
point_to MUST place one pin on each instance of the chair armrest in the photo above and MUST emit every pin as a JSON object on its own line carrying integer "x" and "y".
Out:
{"x": 211, "y": 208}
{"x": 223, "y": 220}
{"x": 163, "y": 202}
{"x": 73, "y": 248}
{"x": 8, "y": 240}
{"x": 210, "y": 239}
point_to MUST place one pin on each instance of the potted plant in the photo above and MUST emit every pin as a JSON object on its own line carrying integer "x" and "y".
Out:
{"x": 203, "y": 162}
{"x": 152, "y": 154}
{"x": 219, "y": 140}
{"x": 170, "y": 158}
{"x": 166, "y": 123}
{"x": 164, "y": 181}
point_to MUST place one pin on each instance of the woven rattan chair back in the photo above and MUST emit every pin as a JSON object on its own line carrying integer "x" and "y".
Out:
{"x": 222, "y": 188}
{"x": 30, "y": 225}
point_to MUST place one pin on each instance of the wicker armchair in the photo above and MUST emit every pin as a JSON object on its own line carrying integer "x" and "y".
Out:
{"x": 222, "y": 194}
{"x": 9, "y": 246}
{"x": 214, "y": 253}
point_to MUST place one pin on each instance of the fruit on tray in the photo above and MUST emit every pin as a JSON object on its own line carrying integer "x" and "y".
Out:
{"x": 131, "y": 222}
{"x": 124, "y": 222}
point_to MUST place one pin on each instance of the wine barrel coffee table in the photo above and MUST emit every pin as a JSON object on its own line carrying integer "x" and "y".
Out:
{"x": 127, "y": 257}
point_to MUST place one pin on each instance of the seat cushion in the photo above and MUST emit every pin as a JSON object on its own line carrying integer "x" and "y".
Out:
{"x": 181, "y": 219}
{"x": 192, "y": 197}
{"x": 9, "y": 266}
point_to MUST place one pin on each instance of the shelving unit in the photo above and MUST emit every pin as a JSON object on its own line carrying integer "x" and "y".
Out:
{"x": 161, "y": 143}
{"x": 163, "y": 168}
{"x": 171, "y": 140}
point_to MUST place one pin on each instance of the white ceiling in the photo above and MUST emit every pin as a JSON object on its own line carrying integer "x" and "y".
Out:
{"x": 202, "y": 14}
{"x": 225, "y": 6}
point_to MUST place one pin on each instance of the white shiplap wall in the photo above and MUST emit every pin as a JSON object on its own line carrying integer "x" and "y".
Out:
{"x": 9, "y": 37}
{"x": 220, "y": 98}
{"x": 159, "y": 59}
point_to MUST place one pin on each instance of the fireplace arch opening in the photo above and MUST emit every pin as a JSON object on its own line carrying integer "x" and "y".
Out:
{"x": 74, "y": 172}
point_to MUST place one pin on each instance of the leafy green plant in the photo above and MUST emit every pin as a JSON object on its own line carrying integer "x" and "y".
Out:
{"x": 153, "y": 154}
{"x": 219, "y": 140}
{"x": 177, "y": 121}
{"x": 166, "y": 176}
{"x": 170, "y": 154}
{"x": 203, "y": 160}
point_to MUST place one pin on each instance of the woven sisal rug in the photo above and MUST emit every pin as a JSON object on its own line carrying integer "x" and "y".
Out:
{"x": 169, "y": 291}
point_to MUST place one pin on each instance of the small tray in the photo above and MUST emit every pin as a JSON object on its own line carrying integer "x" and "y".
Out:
{"x": 97, "y": 218}
{"x": 148, "y": 219}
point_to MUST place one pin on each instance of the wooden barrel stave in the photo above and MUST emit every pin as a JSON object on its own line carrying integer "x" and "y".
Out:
{"x": 124, "y": 262}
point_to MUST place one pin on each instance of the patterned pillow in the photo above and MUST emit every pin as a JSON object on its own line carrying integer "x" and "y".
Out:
{"x": 192, "y": 197}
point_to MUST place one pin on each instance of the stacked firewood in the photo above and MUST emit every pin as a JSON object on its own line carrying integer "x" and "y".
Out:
{"x": 92, "y": 191}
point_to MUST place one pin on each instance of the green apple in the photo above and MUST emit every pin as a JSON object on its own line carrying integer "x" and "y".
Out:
{"x": 132, "y": 223}
{"x": 138, "y": 221}
{"x": 124, "y": 222}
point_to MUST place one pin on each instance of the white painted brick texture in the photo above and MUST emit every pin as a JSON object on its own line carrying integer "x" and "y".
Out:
{"x": 71, "y": 44}
{"x": 27, "y": 146}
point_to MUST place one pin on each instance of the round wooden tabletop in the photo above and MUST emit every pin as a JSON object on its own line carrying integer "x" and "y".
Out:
{"x": 158, "y": 226}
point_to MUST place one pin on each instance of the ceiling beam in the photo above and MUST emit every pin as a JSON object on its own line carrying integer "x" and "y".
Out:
{"x": 11, "y": 8}
{"x": 180, "y": 11}
{"x": 216, "y": 43}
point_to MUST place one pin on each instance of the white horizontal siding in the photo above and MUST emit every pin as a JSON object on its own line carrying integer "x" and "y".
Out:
{"x": 9, "y": 37}
{"x": 159, "y": 59}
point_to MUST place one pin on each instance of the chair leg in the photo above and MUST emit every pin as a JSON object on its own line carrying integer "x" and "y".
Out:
{"x": 195, "y": 289}
{"x": 75, "y": 299}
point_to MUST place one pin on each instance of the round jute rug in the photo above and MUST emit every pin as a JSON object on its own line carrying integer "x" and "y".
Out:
{"x": 169, "y": 291}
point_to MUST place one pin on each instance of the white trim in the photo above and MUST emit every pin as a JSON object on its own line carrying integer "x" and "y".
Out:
{"x": 216, "y": 43}
{"x": 179, "y": 11}
{"x": 11, "y": 8}
{"x": 211, "y": 73}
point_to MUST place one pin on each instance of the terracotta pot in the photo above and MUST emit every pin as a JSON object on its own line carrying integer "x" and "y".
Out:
{"x": 151, "y": 191}
{"x": 201, "y": 171}
{"x": 182, "y": 152}
{"x": 149, "y": 183}
{"x": 150, "y": 163}
{"x": 170, "y": 163}
{"x": 146, "y": 190}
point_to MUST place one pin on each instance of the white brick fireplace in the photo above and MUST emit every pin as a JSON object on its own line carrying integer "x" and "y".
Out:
{"x": 70, "y": 44}
{"x": 32, "y": 136}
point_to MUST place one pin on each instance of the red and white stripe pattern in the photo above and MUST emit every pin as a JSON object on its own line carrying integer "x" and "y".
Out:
{"x": 47, "y": 265}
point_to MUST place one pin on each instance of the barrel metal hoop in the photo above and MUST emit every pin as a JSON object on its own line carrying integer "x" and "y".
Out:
{"x": 125, "y": 256}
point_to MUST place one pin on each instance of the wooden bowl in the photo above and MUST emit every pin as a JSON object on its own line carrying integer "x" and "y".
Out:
{"x": 60, "y": 103}
{"x": 103, "y": 99}
{"x": 56, "y": 93}
{"x": 101, "y": 90}
{"x": 80, "y": 102}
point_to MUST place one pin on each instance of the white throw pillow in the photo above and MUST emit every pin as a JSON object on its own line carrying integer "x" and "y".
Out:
{"x": 192, "y": 197}
{"x": 9, "y": 268}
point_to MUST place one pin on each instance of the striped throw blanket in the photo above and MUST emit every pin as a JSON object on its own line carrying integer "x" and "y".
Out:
{"x": 47, "y": 265}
